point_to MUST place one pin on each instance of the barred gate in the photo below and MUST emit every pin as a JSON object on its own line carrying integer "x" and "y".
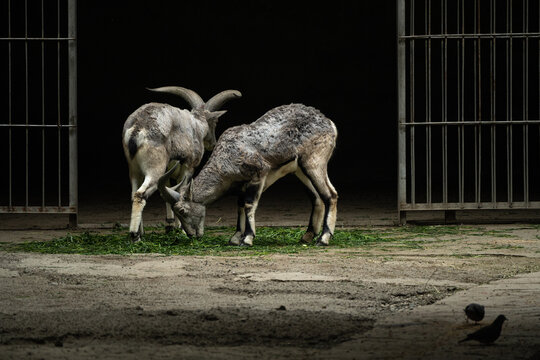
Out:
{"x": 468, "y": 105}
{"x": 38, "y": 121}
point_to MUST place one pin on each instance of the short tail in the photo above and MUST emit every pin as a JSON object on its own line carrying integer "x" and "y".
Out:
{"x": 132, "y": 146}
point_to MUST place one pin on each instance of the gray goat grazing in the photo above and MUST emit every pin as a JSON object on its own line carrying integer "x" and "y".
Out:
{"x": 250, "y": 158}
{"x": 156, "y": 134}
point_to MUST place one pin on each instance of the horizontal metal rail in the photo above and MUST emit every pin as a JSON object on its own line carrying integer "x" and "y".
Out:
{"x": 472, "y": 205}
{"x": 472, "y": 36}
{"x": 38, "y": 209}
{"x": 36, "y": 39}
{"x": 482, "y": 122}
{"x": 55, "y": 126}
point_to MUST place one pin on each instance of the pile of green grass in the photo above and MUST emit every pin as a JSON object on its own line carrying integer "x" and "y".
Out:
{"x": 215, "y": 241}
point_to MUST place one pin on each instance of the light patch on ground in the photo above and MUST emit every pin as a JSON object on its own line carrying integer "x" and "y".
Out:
{"x": 138, "y": 269}
{"x": 415, "y": 281}
{"x": 289, "y": 276}
{"x": 5, "y": 273}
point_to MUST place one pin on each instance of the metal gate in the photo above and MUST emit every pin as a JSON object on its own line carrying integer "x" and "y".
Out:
{"x": 38, "y": 123}
{"x": 468, "y": 105}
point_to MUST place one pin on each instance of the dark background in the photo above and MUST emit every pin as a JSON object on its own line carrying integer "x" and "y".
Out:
{"x": 337, "y": 56}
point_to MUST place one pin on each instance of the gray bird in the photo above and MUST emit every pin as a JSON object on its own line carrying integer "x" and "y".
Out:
{"x": 487, "y": 334}
{"x": 475, "y": 312}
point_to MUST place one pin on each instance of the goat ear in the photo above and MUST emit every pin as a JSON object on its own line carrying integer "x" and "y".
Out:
{"x": 217, "y": 114}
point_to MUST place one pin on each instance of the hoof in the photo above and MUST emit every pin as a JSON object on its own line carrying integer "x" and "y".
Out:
{"x": 307, "y": 238}
{"x": 324, "y": 239}
{"x": 247, "y": 241}
{"x": 169, "y": 229}
{"x": 236, "y": 239}
{"x": 134, "y": 237}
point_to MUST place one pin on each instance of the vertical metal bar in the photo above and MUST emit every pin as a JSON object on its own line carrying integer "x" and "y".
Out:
{"x": 59, "y": 118}
{"x": 458, "y": 91}
{"x": 402, "y": 115}
{"x": 444, "y": 96}
{"x": 26, "y": 96}
{"x": 462, "y": 109}
{"x": 42, "y": 106}
{"x": 474, "y": 113}
{"x": 479, "y": 118}
{"x": 493, "y": 78}
{"x": 72, "y": 88}
{"x": 411, "y": 106}
{"x": 427, "y": 20}
{"x": 10, "y": 185}
{"x": 526, "y": 104}
{"x": 509, "y": 116}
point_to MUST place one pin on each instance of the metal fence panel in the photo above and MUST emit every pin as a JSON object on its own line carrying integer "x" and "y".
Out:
{"x": 39, "y": 121}
{"x": 468, "y": 105}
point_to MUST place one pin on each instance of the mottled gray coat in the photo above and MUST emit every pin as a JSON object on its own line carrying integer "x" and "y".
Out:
{"x": 249, "y": 158}
{"x": 156, "y": 134}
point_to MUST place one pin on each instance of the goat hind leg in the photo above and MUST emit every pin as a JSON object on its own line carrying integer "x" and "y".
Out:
{"x": 329, "y": 196}
{"x": 139, "y": 197}
{"x": 317, "y": 209}
{"x": 252, "y": 196}
{"x": 240, "y": 222}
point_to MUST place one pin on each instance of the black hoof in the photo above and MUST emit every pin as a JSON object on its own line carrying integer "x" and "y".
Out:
{"x": 134, "y": 236}
{"x": 307, "y": 238}
{"x": 169, "y": 229}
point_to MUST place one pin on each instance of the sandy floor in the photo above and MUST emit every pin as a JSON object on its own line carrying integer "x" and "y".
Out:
{"x": 326, "y": 303}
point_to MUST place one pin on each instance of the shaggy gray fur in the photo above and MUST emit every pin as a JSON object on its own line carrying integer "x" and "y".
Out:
{"x": 156, "y": 134}
{"x": 249, "y": 158}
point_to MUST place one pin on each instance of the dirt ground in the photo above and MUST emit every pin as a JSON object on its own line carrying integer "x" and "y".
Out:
{"x": 380, "y": 302}
{"x": 317, "y": 304}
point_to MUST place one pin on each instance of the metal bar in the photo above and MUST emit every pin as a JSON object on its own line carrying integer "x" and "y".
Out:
{"x": 37, "y": 209}
{"x": 36, "y": 39}
{"x": 479, "y": 118}
{"x": 509, "y": 135}
{"x": 402, "y": 115}
{"x": 10, "y": 165}
{"x": 458, "y": 91}
{"x": 72, "y": 88}
{"x": 493, "y": 78}
{"x": 473, "y": 36}
{"x": 428, "y": 103}
{"x": 525, "y": 103}
{"x": 474, "y": 123}
{"x": 59, "y": 119}
{"x": 42, "y": 107}
{"x": 411, "y": 106}
{"x": 475, "y": 87}
{"x": 471, "y": 206}
{"x": 444, "y": 96}
{"x": 462, "y": 110}
{"x": 26, "y": 97}
{"x": 45, "y": 126}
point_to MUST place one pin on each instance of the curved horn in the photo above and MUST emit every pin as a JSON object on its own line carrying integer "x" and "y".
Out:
{"x": 218, "y": 100}
{"x": 193, "y": 99}
{"x": 170, "y": 195}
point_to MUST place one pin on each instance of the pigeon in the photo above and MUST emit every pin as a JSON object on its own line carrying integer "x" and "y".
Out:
{"x": 487, "y": 334}
{"x": 475, "y": 312}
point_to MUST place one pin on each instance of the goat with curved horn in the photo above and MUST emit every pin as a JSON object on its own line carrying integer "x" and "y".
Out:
{"x": 156, "y": 134}
{"x": 218, "y": 100}
{"x": 191, "y": 97}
